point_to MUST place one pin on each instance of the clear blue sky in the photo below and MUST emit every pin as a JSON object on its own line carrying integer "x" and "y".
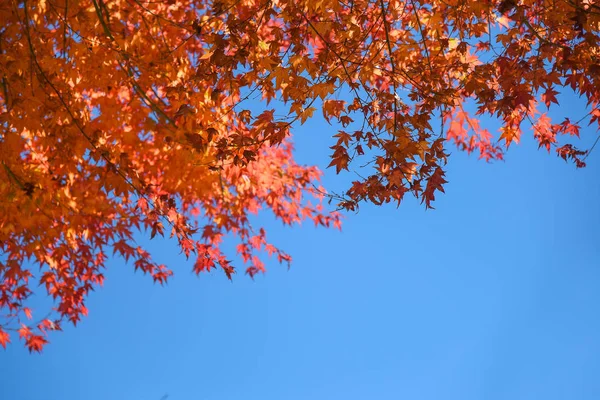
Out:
{"x": 493, "y": 295}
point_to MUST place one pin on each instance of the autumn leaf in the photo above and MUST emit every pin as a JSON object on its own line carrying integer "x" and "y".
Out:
{"x": 4, "y": 338}
{"x": 510, "y": 135}
{"x": 157, "y": 227}
{"x": 435, "y": 182}
{"x": 35, "y": 343}
{"x": 549, "y": 97}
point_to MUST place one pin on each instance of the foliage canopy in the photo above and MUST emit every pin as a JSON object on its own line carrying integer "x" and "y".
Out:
{"x": 121, "y": 115}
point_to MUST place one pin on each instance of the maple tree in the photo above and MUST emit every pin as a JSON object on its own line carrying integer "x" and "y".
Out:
{"x": 127, "y": 115}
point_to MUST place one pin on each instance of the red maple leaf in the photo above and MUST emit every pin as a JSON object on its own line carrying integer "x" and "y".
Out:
{"x": 4, "y": 338}
{"x": 435, "y": 182}
{"x": 35, "y": 343}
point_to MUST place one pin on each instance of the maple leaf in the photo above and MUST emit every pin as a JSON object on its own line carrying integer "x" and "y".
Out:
{"x": 35, "y": 343}
{"x": 124, "y": 249}
{"x": 4, "y": 338}
{"x": 228, "y": 269}
{"x": 24, "y": 332}
{"x": 435, "y": 182}
{"x": 544, "y": 132}
{"x": 549, "y": 97}
{"x": 509, "y": 135}
{"x": 340, "y": 159}
{"x": 157, "y": 227}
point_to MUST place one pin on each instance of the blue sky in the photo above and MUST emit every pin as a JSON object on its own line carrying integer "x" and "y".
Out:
{"x": 492, "y": 295}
